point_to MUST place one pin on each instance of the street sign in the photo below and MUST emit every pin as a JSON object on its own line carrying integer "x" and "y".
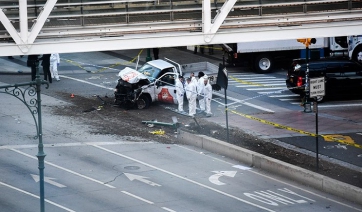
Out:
{"x": 317, "y": 87}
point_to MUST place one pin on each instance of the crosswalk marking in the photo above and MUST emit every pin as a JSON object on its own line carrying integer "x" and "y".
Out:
{"x": 266, "y": 88}
{"x": 264, "y": 85}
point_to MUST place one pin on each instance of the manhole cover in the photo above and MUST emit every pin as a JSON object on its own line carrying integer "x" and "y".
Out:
{"x": 131, "y": 167}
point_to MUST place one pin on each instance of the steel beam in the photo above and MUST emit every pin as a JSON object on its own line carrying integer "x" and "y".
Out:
{"x": 48, "y": 7}
{"x": 170, "y": 39}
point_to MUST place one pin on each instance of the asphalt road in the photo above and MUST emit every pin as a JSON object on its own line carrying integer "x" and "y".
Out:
{"x": 105, "y": 173}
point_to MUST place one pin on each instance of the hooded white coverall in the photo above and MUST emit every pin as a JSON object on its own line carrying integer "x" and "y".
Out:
{"x": 200, "y": 92}
{"x": 180, "y": 91}
{"x": 191, "y": 95}
{"x": 54, "y": 62}
{"x": 208, "y": 96}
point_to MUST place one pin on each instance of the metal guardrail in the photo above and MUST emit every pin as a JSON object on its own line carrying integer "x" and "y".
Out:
{"x": 80, "y": 13}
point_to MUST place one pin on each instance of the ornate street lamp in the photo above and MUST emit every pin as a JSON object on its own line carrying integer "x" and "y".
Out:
{"x": 30, "y": 96}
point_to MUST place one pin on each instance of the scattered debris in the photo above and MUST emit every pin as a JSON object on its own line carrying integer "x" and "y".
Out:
{"x": 72, "y": 96}
{"x": 155, "y": 122}
{"x": 158, "y": 132}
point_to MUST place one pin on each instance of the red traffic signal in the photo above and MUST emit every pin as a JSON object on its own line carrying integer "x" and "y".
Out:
{"x": 307, "y": 41}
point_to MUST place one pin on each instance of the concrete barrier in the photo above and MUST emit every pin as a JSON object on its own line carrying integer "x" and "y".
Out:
{"x": 306, "y": 177}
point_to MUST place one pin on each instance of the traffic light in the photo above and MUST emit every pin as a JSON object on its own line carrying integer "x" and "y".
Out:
{"x": 307, "y": 41}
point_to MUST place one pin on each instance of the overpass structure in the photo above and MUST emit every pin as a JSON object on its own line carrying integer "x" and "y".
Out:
{"x": 64, "y": 26}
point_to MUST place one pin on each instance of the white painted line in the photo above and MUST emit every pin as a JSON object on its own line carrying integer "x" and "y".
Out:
{"x": 33, "y": 195}
{"x": 288, "y": 99}
{"x": 272, "y": 178}
{"x": 260, "y": 89}
{"x": 27, "y": 146}
{"x": 248, "y": 75}
{"x": 273, "y": 80}
{"x": 342, "y": 105}
{"x": 251, "y": 78}
{"x": 137, "y": 197}
{"x": 245, "y": 103}
{"x": 83, "y": 81}
{"x": 183, "y": 178}
{"x": 286, "y": 95}
{"x": 64, "y": 169}
{"x": 167, "y": 209}
{"x": 271, "y": 92}
{"x": 263, "y": 85}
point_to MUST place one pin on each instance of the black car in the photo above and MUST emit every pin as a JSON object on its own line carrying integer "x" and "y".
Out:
{"x": 342, "y": 77}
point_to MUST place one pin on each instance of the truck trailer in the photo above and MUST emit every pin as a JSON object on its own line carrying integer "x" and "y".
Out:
{"x": 262, "y": 56}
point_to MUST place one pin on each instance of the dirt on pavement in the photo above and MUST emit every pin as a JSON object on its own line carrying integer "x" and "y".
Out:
{"x": 99, "y": 113}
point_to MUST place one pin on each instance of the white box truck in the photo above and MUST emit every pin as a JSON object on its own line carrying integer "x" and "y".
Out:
{"x": 262, "y": 56}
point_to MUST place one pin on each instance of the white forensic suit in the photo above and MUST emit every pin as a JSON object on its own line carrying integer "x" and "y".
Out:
{"x": 200, "y": 92}
{"x": 54, "y": 62}
{"x": 191, "y": 95}
{"x": 180, "y": 91}
{"x": 208, "y": 96}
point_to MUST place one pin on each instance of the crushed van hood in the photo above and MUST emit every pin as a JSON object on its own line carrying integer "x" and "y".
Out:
{"x": 132, "y": 76}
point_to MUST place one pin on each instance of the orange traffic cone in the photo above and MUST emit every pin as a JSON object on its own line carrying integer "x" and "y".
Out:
{"x": 72, "y": 96}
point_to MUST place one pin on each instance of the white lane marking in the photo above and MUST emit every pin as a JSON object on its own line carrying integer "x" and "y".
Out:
{"x": 342, "y": 105}
{"x": 183, "y": 178}
{"x": 286, "y": 95}
{"x": 289, "y": 100}
{"x": 264, "y": 85}
{"x": 26, "y": 146}
{"x": 64, "y": 169}
{"x": 140, "y": 178}
{"x": 83, "y": 81}
{"x": 268, "y": 80}
{"x": 215, "y": 177}
{"x": 47, "y": 180}
{"x": 272, "y": 178}
{"x": 137, "y": 197}
{"x": 33, "y": 195}
{"x": 248, "y": 75}
{"x": 167, "y": 209}
{"x": 266, "y": 88}
{"x": 245, "y": 103}
{"x": 251, "y": 78}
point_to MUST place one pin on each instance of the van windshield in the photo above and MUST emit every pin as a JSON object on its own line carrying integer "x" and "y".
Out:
{"x": 150, "y": 72}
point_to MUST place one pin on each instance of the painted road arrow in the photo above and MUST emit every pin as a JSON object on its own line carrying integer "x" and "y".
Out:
{"x": 140, "y": 178}
{"x": 48, "y": 180}
{"x": 215, "y": 178}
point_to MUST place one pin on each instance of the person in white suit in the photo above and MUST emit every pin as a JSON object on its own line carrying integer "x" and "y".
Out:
{"x": 191, "y": 95}
{"x": 208, "y": 96}
{"x": 180, "y": 91}
{"x": 54, "y": 62}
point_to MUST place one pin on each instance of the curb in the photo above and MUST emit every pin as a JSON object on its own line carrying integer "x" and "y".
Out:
{"x": 306, "y": 177}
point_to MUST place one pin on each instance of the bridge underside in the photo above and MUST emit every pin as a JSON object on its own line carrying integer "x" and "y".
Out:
{"x": 39, "y": 26}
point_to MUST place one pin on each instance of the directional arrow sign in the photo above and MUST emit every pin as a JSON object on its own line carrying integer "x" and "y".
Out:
{"x": 48, "y": 180}
{"x": 132, "y": 177}
{"x": 215, "y": 178}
